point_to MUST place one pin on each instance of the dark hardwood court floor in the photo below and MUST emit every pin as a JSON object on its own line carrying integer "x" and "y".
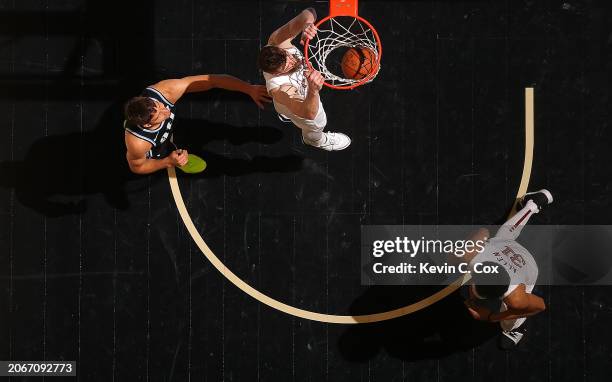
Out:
{"x": 96, "y": 265}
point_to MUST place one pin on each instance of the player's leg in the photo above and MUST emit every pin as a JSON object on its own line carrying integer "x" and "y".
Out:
{"x": 510, "y": 325}
{"x": 313, "y": 135}
{"x": 513, "y": 331}
{"x": 531, "y": 203}
{"x": 312, "y": 130}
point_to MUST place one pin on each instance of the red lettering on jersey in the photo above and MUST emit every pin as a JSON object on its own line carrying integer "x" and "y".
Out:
{"x": 516, "y": 258}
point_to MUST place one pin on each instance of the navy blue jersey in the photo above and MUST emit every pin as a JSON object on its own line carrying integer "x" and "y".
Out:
{"x": 161, "y": 137}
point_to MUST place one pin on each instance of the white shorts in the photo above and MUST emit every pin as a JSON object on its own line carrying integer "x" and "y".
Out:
{"x": 318, "y": 123}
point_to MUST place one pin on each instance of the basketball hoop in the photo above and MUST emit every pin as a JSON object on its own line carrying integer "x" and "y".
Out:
{"x": 343, "y": 28}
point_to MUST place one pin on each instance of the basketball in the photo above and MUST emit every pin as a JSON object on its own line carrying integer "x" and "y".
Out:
{"x": 358, "y": 63}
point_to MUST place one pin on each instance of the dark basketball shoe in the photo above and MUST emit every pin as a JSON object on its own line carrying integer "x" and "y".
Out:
{"x": 541, "y": 198}
{"x": 510, "y": 340}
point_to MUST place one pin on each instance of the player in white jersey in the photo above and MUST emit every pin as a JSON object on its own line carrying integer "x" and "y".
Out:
{"x": 516, "y": 278}
{"x": 294, "y": 89}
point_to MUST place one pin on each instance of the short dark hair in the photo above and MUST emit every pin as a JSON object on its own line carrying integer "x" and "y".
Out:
{"x": 271, "y": 59}
{"x": 491, "y": 285}
{"x": 139, "y": 110}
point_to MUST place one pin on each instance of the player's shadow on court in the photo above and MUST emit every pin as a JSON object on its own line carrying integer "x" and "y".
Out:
{"x": 437, "y": 331}
{"x": 219, "y": 165}
{"x": 59, "y": 172}
{"x": 195, "y": 134}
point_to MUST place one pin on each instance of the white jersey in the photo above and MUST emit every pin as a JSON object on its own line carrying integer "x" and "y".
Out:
{"x": 514, "y": 258}
{"x": 298, "y": 81}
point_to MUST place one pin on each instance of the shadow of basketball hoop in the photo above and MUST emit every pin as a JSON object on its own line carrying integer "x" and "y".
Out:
{"x": 582, "y": 255}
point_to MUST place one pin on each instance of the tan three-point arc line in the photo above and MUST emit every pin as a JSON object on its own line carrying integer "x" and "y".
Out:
{"x": 344, "y": 319}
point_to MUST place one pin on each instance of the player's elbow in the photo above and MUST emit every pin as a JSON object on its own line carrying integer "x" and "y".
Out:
{"x": 520, "y": 302}
{"x": 543, "y": 308}
{"x": 535, "y": 306}
{"x": 197, "y": 78}
{"x": 310, "y": 112}
{"x": 310, "y": 115}
{"x": 136, "y": 168}
{"x": 272, "y": 39}
{"x": 310, "y": 12}
{"x": 302, "y": 111}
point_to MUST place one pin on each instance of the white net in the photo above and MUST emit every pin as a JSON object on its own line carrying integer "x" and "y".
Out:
{"x": 341, "y": 32}
{"x": 297, "y": 78}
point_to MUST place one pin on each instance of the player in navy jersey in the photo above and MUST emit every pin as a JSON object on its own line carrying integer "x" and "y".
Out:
{"x": 149, "y": 118}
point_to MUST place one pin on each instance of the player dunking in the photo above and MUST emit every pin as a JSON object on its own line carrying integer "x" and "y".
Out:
{"x": 295, "y": 90}
{"x": 514, "y": 284}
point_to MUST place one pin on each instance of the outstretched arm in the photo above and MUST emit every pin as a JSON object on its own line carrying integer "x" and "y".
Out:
{"x": 282, "y": 36}
{"x": 175, "y": 88}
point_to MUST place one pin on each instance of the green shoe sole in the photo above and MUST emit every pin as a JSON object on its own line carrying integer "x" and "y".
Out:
{"x": 194, "y": 165}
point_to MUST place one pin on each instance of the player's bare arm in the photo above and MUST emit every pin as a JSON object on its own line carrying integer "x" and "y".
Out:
{"x": 174, "y": 89}
{"x": 309, "y": 106}
{"x": 520, "y": 304}
{"x": 139, "y": 163}
{"x": 301, "y": 23}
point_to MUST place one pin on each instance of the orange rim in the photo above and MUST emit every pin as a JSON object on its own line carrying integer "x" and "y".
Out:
{"x": 363, "y": 80}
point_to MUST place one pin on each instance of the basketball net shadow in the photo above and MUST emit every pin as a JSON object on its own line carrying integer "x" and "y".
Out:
{"x": 360, "y": 319}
